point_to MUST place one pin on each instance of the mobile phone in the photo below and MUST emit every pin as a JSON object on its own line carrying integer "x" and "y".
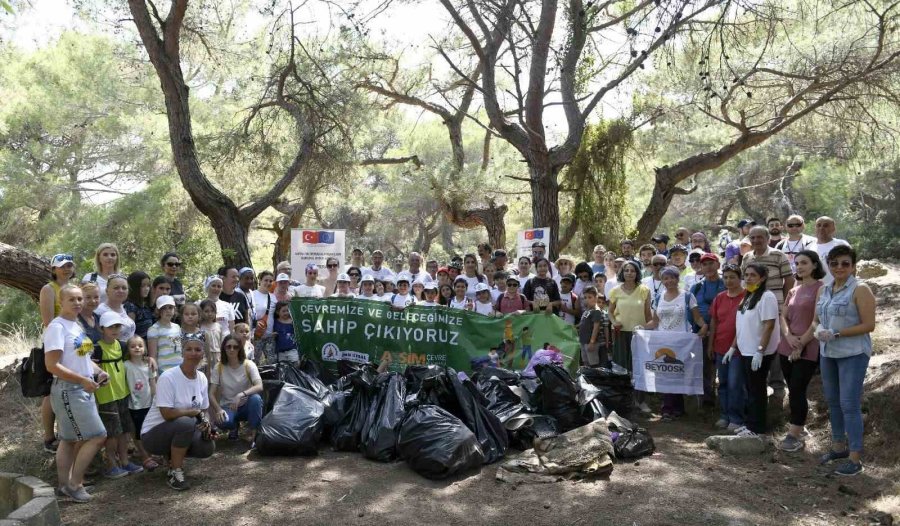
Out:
{"x": 97, "y": 380}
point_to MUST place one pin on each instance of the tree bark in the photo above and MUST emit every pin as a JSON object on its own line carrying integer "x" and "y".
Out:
{"x": 545, "y": 201}
{"x": 23, "y": 270}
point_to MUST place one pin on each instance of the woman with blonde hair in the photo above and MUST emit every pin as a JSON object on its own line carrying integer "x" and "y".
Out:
{"x": 106, "y": 262}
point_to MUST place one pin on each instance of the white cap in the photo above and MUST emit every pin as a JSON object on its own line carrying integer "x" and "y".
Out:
{"x": 110, "y": 318}
{"x": 343, "y": 276}
{"x": 419, "y": 281}
{"x": 431, "y": 286}
{"x": 367, "y": 279}
{"x": 482, "y": 287}
{"x": 283, "y": 277}
{"x": 403, "y": 276}
{"x": 164, "y": 300}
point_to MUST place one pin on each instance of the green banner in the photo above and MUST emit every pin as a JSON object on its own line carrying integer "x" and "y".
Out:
{"x": 327, "y": 330}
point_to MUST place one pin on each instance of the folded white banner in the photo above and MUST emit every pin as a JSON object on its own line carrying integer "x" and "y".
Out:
{"x": 667, "y": 362}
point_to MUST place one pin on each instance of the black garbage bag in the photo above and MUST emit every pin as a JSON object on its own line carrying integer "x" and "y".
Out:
{"x": 538, "y": 426}
{"x": 501, "y": 401}
{"x": 449, "y": 393}
{"x": 416, "y": 374}
{"x": 294, "y": 426}
{"x": 559, "y": 397}
{"x": 436, "y": 444}
{"x": 633, "y": 443}
{"x": 316, "y": 370}
{"x": 379, "y": 433}
{"x": 613, "y": 390}
{"x": 505, "y": 375}
{"x": 346, "y": 434}
{"x": 345, "y": 367}
{"x": 292, "y": 374}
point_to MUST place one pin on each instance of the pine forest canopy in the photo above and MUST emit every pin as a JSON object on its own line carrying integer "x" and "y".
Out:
{"x": 213, "y": 128}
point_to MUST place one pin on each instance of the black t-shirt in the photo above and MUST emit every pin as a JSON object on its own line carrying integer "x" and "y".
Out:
{"x": 542, "y": 288}
{"x": 240, "y": 305}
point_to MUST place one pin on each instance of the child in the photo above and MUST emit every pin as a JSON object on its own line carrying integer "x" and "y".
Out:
{"x": 387, "y": 289}
{"x": 512, "y": 301}
{"x": 594, "y": 330}
{"x": 525, "y": 340}
{"x": 445, "y": 294}
{"x": 402, "y": 298}
{"x": 242, "y": 331}
{"x": 343, "y": 287}
{"x": 459, "y": 299}
{"x": 212, "y": 332}
{"x": 418, "y": 290}
{"x": 141, "y": 376}
{"x": 483, "y": 303}
{"x": 190, "y": 318}
{"x": 499, "y": 287}
{"x": 431, "y": 295}
{"x": 600, "y": 283}
{"x": 285, "y": 346}
{"x": 367, "y": 288}
{"x": 569, "y": 308}
{"x": 494, "y": 357}
{"x": 113, "y": 398}
{"x": 164, "y": 336}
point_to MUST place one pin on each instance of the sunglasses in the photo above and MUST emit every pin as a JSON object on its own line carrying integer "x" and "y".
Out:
{"x": 354, "y": 275}
{"x": 840, "y": 264}
{"x": 173, "y": 264}
{"x": 332, "y": 265}
{"x": 232, "y": 347}
{"x": 512, "y": 283}
{"x": 63, "y": 257}
{"x": 794, "y": 225}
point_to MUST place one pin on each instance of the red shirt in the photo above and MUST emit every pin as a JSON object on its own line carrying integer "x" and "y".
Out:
{"x": 724, "y": 311}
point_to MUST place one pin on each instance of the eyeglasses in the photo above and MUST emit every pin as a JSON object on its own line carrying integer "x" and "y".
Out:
{"x": 657, "y": 264}
{"x": 332, "y": 265}
{"x": 512, "y": 284}
{"x": 232, "y": 347}
{"x": 354, "y": 275}
{"x": 173, "y": 264}
{"x": 840, "y": 264}
{"x": 794, "y": 225}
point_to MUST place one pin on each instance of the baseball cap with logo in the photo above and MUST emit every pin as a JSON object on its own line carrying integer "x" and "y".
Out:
{"x": 482, "y": 287}
{"x": 110, "y": 319}
{"x": 164, "y": 300}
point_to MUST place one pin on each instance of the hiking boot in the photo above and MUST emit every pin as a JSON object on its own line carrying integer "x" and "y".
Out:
{"x": 177, "y": 481}
{"x": 790, "y": 443}
{"x": 132, "y": 468}
{"x": 51, "y": 445}
{"x": 721, "y": 423}
{"x": 849, "y": 469}
{"x": 733, "y": 428}
{"x": 115, "y": 473}
{"x": 831, "y": 456}
{"x": 79, "y": 495}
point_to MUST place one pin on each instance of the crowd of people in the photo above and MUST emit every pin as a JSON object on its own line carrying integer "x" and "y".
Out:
{"x": 135, "y": 360}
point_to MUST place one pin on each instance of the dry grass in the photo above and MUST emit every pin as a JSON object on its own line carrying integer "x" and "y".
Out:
{"x": 20, "y": 434}
{"x": 14, "y": 339}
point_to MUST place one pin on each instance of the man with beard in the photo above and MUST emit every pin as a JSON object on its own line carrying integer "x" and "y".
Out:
{"x": 774, "y": 226}
{"x": 234, "y": 297}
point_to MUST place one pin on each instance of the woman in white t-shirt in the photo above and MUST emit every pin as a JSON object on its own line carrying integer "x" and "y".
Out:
{"x": 67, "y": 352}
{"x": 176, "y": 425}
{"x": 470, "y": 275}
{"x": 106, "y": 262}
{"x": 672, "y": 309}
{"x": 116, "y": 295}
{"x": 757, "y": 339}
{"x": 265, "y": 305}
{"x": 235, "y": 392}
{"x": 310, "y": 289}
{"x": 224, "y": 312}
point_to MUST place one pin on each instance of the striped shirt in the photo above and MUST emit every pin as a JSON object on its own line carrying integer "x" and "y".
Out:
{"x": 778, "y": 265}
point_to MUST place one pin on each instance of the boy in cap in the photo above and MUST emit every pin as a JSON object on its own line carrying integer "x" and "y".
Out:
{"x": 343, "y": 286}
{"x": 367, "y": 288}
{"x": 568, "y": 307}
{"x": 483, "y": 303}
{"x": 402, "y": 298}
{"x": 431, "y": 294}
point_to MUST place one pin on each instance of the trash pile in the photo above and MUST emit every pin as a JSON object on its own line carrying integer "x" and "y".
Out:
{"x": 441, "y": 422}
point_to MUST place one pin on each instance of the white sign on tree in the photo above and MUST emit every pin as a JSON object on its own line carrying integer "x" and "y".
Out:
{"x": 315, "y": 246}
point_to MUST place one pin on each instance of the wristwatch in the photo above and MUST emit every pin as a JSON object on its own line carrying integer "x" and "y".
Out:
{"x": 759, "y": 348}
{"x": 837, "y": 335}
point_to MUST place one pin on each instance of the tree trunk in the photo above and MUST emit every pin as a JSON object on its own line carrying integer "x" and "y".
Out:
{"x": 545, "y": 203}
{"x": 23, "y": 270}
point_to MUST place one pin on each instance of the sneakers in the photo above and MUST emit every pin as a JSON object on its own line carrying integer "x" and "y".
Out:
{"x": 849, "y": 469}
{"x": 744, "y": 432}
{"x": 790, "y": 443}
{"x": 831, "y": 456}
{"x": 177, "y": 481}
{"x": 79, "y": 495}
{"x": 132, "y": 468}
{"x": 50, "y": 446}
{"x": 644, "y": 408}
{"x": 733, "y": 428}
{"x": 87, "y": 487}
{"x": 722, "y": 423}
{"x": 115, "y": 473}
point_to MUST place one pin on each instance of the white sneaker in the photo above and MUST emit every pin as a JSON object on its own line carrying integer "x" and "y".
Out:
{"x": 644, "y": 408}
{"x": 738, "y": 430}
{"x": 733, "y": 428}
{"x": 746, "y": 433}
{"x": 721, "y": 423}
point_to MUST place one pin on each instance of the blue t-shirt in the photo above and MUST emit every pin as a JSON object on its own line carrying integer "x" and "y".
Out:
{"x": 705, "y": 292}
{"x": 284, "y": 336}
{"x": 143, "y": 318}
{"x": 598, "y": 267}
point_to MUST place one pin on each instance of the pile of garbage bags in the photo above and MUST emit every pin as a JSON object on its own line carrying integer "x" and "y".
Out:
{"x": 441, "y": 422}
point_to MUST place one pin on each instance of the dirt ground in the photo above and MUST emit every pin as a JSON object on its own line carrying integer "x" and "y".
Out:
{"x": 682, "y": 483}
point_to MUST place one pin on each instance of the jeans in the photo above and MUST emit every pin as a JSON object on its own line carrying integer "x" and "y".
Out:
{"x": 798, "y": 375}
{"x": 250, "y": 412}
{"x": 672, "y": 404}
{"x": 709, "y": 374}
{"x": 732, "y": 389}
{"x": 757, "y": 394}
{"x": 842, "y": 381}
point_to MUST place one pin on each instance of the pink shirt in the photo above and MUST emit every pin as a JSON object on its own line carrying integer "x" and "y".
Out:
{"x": 800, "y": 308}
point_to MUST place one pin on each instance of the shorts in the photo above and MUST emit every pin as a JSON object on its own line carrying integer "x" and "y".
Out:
{"x": 292, "y": 356}
{"x": 592, "y": 358}
{"x": 137, "y": 418}
{"x": 116, "y": 417}
{"x": 76, "y": 412}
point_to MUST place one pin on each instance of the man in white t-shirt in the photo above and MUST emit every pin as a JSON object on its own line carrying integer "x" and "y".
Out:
{"x": 310, "y": 289}
{"x": 539, "y": 251}
{"x": 415, "y": 268}
{"x": 378, "y": 271}
{"x": 796, "y": 241}
{"x": 825, "y": 241}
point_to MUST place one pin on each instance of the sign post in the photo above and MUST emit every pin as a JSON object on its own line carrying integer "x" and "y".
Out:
{"x": 316, "y": 246}
{"x": 526, "y": 238}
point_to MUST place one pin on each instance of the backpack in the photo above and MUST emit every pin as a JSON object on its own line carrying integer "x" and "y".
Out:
{"x": 263, "y": 323}
{"x": 93, "y": 278}
{"x": 522, "y": 301}
{"x": 34, "y": 377}
{"x": 688, "y": 316}
{"x": 97, "y": 356}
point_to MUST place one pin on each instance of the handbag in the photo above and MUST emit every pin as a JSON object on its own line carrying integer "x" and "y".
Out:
{"x": 34, "y": 377}
{"x": 263, "y": 322}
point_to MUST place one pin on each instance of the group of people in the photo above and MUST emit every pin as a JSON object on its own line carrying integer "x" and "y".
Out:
{"x": 133, "y": 359}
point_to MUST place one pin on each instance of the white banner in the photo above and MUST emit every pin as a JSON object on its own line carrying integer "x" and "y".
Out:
{"x": 526, "y": 237}
{"x": 667, "y": 362}
{"x": 315, "y": 246}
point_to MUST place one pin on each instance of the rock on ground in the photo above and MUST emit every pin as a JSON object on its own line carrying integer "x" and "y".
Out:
{"x": 735, "y": 445}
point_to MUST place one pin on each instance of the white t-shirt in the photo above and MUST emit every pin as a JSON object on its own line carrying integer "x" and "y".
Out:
{"x": 470, "y": 291}
{"x": 495, "y": 295}
{"x": 420, "y": 275}
{"x": 308, "y": 291}
{"x": 672, "y": 314}
{"x": 261, "y": 301}
{"x": 128, "y": 325}
{"x": 823, "y": 249}
{"x": 168, "y": 345}
{"x": 461, "y": 305}
{"x": 566, "y": 299}
{"x": 69, "y": 336}
{"x": 654, "y": 285}
{"x": 384, "y": 298}
{"x": 224, "y": 314}
{"x": 428, "y": 304}
{"x": 749, "y": 326}
{"x": 233, "y": 380}
{"x": 402, "y": 301}
{"x": 176, "y": 391}
{"x": 101, "y": 284}
{"x": 379, "y": 274}
{"x": 792, "y": 248}
{"x": 484, "y": 308}
{"x": 607, "y": 288}
{"x": 523, "y": 280}
{"x": 138, "y": 377}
